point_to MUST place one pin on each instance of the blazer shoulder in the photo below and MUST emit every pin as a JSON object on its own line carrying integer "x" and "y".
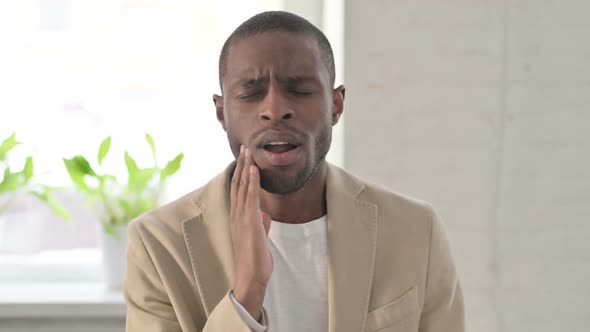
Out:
{"x": 164, "y": 224}
{"x": 370, "y": 192}
{"x": 166, "y": 220}
{"x": 398, "y": 208}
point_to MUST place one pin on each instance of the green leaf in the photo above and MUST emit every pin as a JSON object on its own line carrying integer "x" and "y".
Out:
{"x": 104, "y": 149}
{"x": 83, "y": 165}
{"x": 138, "y": 178}
{"x": 47, "y": 197}
{"x": 28, "y": 169}
{"x": 109, "y": 229}
{"x": 105, "y": 179}
{"x": 144, "y": 205}
{"x": 42, "y": 196}
{"x": 132, "y": 168}
{"x": 7, "y": 145}
{"x": 172, "y": 167}
{"x": 150, "y": 141}
{"x": 77, "y": 173}
{"x": 140, "y": 181}
{"x": 126, "y": 205}
{"x": 58, "y": 208}
{"x": 11, "y": 181}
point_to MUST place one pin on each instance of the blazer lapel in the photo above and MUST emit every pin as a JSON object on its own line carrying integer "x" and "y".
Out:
{"x": 352, "y": 240}
{"x": 208, "y": 240}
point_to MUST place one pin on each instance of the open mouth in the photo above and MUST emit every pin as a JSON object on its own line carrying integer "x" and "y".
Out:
{"x": 279, "y": 147}
{"x": 281, "y": 153}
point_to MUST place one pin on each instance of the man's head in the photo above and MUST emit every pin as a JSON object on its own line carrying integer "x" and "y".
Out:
{"x": 276, "y": 73}
{"x": 274, "y": 21}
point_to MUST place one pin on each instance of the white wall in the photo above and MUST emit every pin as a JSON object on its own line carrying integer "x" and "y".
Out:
{"x": 483, "y": 109}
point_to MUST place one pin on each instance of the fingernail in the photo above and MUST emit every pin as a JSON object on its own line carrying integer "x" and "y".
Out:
{"x": 246, "y": 152}
{"x": 241, "y": 149}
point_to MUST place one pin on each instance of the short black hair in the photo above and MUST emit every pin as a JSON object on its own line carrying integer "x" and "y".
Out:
{"x": 279, "y": 21}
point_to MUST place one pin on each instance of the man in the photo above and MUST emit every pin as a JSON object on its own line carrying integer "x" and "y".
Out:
{"x": 282, "y": 240}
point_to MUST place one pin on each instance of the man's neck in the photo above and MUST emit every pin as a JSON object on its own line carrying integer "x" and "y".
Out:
{"x": 306, "y": 204}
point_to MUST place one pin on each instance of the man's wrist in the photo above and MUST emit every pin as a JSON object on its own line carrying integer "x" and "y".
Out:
{"x": 251, "y": 297}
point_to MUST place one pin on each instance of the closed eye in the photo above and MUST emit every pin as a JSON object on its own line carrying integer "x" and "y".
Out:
{"x": 251, "y": 95}
{"x": 299, "y": 93}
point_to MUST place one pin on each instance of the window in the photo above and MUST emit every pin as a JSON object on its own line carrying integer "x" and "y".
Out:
{"x": 75, "y": 72}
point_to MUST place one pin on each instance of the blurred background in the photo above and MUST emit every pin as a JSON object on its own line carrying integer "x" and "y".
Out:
{"x": 480, "y": 107}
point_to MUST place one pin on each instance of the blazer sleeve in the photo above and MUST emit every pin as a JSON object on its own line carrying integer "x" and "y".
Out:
{"x": 225, "y": 317}
{"x": 149, "y": 308}
{"x": 443, "y": 308}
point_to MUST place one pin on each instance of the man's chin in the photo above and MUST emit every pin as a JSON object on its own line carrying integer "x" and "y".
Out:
{"x": 282, "y": 182}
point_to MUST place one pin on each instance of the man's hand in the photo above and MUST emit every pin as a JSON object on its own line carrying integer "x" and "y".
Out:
{"x": 249, "y": 230}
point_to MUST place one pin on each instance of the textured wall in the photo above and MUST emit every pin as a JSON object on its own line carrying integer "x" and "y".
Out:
{"x": 483, "y": 109}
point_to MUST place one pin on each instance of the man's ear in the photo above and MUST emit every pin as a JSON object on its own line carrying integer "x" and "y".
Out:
{"x": 218, "y": 101}
{"x": 338, "y": 103}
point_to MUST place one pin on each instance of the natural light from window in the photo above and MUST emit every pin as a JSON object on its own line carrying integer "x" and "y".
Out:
{"x": 74, "y": 72}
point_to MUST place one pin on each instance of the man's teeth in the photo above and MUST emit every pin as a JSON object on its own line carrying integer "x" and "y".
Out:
{"x": 277, "y": 143}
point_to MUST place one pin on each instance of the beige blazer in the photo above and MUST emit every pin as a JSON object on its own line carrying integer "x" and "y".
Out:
{"x": 390, "y": 268}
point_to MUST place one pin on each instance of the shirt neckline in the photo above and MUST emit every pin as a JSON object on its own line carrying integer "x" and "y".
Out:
{"x": 304, "y": 230}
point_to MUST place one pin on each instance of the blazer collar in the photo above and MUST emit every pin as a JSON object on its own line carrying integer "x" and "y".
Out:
{"x": 208, "y": 240}
{"x": 352, "y": 239}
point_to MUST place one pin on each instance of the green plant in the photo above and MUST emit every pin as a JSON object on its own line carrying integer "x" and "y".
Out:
{"x": 120, "y": 202}
{"x": 24, "y": 181}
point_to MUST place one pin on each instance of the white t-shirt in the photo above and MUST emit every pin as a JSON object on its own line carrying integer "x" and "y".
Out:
{"x": 297, "y": 294}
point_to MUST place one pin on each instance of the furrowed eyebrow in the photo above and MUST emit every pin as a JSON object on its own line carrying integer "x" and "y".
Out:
{"x": 297, "y": 80}
{"x": 250, "y": 82}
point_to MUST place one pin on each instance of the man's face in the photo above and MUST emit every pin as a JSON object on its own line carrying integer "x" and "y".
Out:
{"x": 278, "y": 102}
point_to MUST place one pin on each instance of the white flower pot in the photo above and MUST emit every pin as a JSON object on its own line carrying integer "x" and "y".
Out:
{"x": 114, "y": 251}
{"x": 20, "y": 231}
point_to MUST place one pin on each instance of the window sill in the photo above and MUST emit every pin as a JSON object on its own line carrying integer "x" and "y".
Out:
{"x": 58, "y": 266}
{"x": 54, "y": 300}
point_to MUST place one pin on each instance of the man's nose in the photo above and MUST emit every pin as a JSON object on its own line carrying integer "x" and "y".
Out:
{"x": 275, "y": 107}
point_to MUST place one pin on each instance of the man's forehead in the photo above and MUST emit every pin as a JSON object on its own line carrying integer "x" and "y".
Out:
{"x": 282, "y": 55}
{"x": 280, "y": 73}
{"x": 274, "y": 47}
